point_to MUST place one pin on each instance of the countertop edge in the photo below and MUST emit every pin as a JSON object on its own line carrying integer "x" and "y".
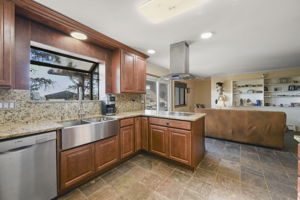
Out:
{"x": 297, "y": 138}
{"x": 37, "y": 128}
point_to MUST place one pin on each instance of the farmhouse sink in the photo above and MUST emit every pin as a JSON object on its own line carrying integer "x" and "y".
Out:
{"x": 80, "y": 132}
{"x": 74, "y": 123}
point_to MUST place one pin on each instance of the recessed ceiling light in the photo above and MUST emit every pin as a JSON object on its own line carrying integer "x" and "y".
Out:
{"x": 79, "y": 36}
{"x": 159, "y": 10}
{"x": 206, "y": 35}
{"x": 151, "y": 51}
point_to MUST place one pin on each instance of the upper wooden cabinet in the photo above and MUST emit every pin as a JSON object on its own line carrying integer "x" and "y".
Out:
{"x": 140, "y": 74}
{"x": 128, "y": 72}
{"x": 7, "y": 32}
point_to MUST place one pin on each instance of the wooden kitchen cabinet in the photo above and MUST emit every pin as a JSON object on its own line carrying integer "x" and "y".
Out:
{"x": 180, "y": 145}
{"x": 140, "y": 74}
{"x": 106, "y": 153}
{"x": 159, "y": 137}
{"x": 182, "y": 141}
{"x": 76, "y": 165}
{"x": 138, "y": 133}
{"x": 128, "y": 72}
{"x": 7, "y": 44}
{"x": 144, "y": 133}
{"x": 127, "y": 141}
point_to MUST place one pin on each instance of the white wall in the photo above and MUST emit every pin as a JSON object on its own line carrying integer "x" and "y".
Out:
{"x": 157, "y": 70}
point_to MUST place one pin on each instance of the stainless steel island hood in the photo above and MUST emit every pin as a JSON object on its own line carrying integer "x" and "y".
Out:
{"x": 179, "y": 62}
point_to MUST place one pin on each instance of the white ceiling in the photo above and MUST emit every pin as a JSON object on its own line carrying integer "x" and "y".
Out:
{"x": 250, "y": 35}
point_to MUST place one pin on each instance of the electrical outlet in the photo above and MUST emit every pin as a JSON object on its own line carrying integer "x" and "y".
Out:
{"x": 7, "y": 105}
{"x": 12, "y": 105}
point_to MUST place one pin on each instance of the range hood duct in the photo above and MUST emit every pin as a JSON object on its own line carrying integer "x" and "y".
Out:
{"x": 179, "y": 62}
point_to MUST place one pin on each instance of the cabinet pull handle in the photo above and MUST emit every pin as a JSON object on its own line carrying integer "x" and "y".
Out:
{"x": 167, "y": 123}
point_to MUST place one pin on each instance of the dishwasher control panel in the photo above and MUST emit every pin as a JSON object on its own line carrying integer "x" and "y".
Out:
{"x": 12, "y": 144}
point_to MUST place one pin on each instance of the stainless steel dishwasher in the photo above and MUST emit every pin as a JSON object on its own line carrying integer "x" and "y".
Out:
{"x": 28, "y": 168}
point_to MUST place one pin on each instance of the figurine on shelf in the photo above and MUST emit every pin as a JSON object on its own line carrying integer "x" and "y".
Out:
{"x": 221, "y": 97}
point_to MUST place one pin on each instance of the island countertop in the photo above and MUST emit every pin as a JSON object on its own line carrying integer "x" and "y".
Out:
{"x": 20, "y": 129}
{"x": 297, "y": 138}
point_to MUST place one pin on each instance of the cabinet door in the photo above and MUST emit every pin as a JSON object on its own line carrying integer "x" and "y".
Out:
{"x": 76, "y": 165}
{"x": 7, "y": 27}
{"x": 159, "y": 140}
{"x": 140, "y": 74}
{"x": 138, "y": 133}
{"x": 180, "y": 145}
{"x": 144, "y": 132}
{"x": 127, "y": 72}
{"x": 106, "y": 153}
{"x": 127, "y": 141}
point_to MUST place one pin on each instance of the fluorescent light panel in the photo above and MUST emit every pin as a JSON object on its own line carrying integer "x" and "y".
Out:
{"x": 159, "y": 10}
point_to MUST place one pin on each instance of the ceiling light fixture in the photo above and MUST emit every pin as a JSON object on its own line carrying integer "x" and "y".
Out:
{"x": 206, "y": 35}
{"x": 79, "y": 36}
{"x": 151, "y": 51}
{"x": 160, "y": 10}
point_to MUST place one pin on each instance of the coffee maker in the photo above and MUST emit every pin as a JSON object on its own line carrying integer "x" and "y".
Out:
{"x": 109, "y": 105}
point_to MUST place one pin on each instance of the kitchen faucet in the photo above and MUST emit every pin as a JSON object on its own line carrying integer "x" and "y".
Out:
{"x": 81, "y": 112}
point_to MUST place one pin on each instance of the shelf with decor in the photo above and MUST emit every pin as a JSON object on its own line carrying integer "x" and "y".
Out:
{"x": 247, "y": 93}
{"x": 282, "y": 91}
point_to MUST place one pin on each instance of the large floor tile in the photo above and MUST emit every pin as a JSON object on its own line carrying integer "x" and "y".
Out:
{"x": 171, "y": 189}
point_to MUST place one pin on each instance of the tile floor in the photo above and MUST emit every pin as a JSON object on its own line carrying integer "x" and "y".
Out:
{"x": 229, "y": 171}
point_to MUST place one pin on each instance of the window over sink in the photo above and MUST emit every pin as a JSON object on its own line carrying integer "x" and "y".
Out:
{"x": 59, "y": 77}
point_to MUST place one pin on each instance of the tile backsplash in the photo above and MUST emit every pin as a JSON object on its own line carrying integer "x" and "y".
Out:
{"x": 28, "y": 111}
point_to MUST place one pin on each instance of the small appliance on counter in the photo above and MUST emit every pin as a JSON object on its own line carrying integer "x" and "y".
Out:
{"x": 109, "y": 105}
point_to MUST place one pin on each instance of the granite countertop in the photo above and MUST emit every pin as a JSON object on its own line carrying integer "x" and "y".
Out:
{"x": 17, "y": 130}
{"x": 167, "y": 115}
{"x": 297, "y": 138}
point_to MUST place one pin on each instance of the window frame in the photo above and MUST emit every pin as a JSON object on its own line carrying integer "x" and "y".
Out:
{"x": 184, "y": 103}
{"x": 90, "y": 72}
{"x": 156, "y": 79}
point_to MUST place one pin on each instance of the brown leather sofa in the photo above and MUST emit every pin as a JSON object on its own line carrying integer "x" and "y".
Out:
{"x": 262, "y": 128}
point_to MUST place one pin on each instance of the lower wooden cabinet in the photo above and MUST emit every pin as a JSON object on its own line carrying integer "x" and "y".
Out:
{"x": 145, "y": 133}
{"x": 106, "y": 153}
{"x": 159, "y": 140}
{"x": 171, "y": 143}
{"x": 127, "y": 141}
{"x": 76, "y": 165}
{"x": 138, "y": 133}
{"x": 180, "y": 145}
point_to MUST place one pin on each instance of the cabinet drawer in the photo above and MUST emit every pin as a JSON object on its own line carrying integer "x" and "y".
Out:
{"x": 126, "y": 122}
{"x": 180, "y": 124}
{"x": 159, "y": 121}
{"x": 171, "y": 123}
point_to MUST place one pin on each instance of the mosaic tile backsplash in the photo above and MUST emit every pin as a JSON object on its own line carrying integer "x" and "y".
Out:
{"x": 28, "y": 111}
